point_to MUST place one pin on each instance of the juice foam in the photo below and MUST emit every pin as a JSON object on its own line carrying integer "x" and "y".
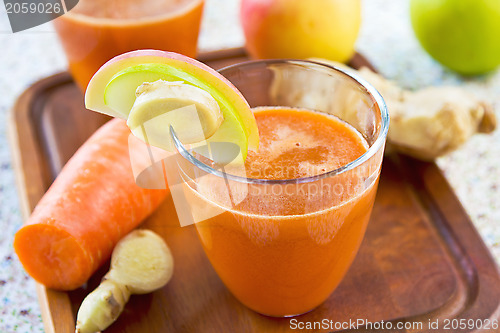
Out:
{"x": 130, "y": 9}
{"x": 298, "y": 143}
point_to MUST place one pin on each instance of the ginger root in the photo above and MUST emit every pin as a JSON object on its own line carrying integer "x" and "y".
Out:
{"x": 141, "y": 263}
{"x": 426, "y": 123}
{"x": 433, "y": 121}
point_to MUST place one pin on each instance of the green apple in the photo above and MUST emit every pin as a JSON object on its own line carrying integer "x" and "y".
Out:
{"x": 112, "y": 91}
{"x": 463, "y": 35}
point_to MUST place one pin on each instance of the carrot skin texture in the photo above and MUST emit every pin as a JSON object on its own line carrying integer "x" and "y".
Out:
{"x": 91, "y": 205}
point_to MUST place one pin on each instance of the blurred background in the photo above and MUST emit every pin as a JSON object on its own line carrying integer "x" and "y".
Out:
{"x": 386, "y": 39}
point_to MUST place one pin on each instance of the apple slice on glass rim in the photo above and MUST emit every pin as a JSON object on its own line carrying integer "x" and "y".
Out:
{"x": 166, "y": 81}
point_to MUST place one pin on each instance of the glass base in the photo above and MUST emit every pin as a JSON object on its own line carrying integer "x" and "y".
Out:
{"x": 283, "y": 316}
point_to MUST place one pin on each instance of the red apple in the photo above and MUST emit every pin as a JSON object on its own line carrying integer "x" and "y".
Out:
{"x": 301, "y": 28}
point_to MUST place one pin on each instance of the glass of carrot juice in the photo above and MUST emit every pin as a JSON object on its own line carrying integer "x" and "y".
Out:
{"x": 95, "y": 31}
{"x": 282, "y": 229}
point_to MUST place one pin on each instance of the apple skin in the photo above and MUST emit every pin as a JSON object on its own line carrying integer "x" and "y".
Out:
{"x": 94, "y": 95}
{"x": 463, "y": 35}
{"x": 95, "y": 100}
{"x": 301, "y": 28}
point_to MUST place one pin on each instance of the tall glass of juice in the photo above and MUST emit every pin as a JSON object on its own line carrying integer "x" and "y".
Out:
{"x": 95, "y": 31}
{"x": 282, "y": 229}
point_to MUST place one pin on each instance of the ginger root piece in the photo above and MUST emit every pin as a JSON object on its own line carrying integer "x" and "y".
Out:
{"x": 192, "y": 111}
{"x": 430, "y": 122}
{"x": 141, "y": 263}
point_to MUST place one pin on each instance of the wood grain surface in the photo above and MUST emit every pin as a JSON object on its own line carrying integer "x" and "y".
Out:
{"x": 421, "y": 258}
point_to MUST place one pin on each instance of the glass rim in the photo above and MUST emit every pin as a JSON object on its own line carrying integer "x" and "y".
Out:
{"x": 118, "y": 22}
{"x": 370, "y": 152}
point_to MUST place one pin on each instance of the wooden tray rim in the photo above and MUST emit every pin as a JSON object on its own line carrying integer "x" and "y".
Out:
{"x": 422, "y": 176}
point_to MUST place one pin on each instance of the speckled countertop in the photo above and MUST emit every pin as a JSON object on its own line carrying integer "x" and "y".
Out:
{"x": 386, "y": 39}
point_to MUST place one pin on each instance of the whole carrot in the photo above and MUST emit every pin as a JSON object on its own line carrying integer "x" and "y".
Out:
{"x": 91, "y": 205}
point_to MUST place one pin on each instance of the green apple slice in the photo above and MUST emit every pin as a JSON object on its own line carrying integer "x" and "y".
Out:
{"x": 120, "y": 96}
{"x": 112, "y": 91}
{"x": 119, "y": 93}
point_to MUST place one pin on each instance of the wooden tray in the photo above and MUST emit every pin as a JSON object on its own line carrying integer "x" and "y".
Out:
{"x": 421, "y": 258}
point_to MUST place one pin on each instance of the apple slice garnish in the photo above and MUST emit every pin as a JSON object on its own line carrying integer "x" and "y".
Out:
{"x": 112, "y": 91}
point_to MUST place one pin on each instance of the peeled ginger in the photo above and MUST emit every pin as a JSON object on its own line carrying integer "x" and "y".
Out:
{"x": 141, "y": 263}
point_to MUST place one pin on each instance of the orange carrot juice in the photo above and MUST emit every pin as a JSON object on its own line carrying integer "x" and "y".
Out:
{"x": 283, "y": 249}
{"x": 95, "y": 31}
